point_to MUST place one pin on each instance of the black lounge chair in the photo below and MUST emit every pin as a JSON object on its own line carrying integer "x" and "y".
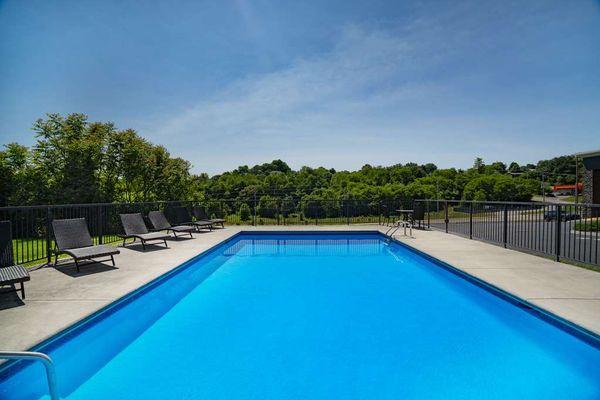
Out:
{"x": 160, "y": 223}
{"x": 10, "y": 274}
{"x": 183, "y": 217}
{"x": 135, "y": 227}
{"x": 200, "y": 214}
{"x": 73, "y": 238}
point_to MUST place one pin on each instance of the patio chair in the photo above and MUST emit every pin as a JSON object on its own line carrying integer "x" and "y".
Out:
{"x": 418, "y": 214}
{"x": 200, "y": 214}
{"x": 160, "y": 223}
{"x": 73, "y": 238}
{"x": 10, "y": 274}
{"x": 135, "y": 227}
{"x": 182, "y": 217}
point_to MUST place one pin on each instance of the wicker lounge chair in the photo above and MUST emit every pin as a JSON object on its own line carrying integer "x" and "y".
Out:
{"x": 135, "y": 227}
{"x": 183, "y": 217}
{"x": 73, "y": 238}
{"x": 160, "y": 223}
{"x": 200, "y": 214}
{"x": 10, "y": 274}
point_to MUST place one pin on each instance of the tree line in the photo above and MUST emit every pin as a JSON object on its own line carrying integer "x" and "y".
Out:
{"x": 75, "y": 160}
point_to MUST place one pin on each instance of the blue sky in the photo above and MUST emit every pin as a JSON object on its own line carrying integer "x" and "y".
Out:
{"x": 333, "y": 83}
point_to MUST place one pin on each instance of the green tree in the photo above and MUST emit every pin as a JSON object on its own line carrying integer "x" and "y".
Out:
{"x": 478, "y": 164}
{"x": 68, "y": 156}
{"x": 500, "y": 188}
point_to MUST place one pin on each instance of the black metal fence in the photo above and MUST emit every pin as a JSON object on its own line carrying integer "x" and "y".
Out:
{"x": 564, "y": 231}
{"x": 33, "y": 239}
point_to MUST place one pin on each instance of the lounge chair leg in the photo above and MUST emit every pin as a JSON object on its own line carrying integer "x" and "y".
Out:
{"x": 76, "y": 265}
{"x": 23, "y": 290}
{"x": 123, "y": 242}
{"x": 191, "y": 235}
{"x": 144, "y": 245}
{"x": 166, "y": 245}
{"x": 112, "y": 258}
{"x": 55, "y": 259}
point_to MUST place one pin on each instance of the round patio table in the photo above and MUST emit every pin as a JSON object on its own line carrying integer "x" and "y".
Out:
{"x": 406, "y": 214}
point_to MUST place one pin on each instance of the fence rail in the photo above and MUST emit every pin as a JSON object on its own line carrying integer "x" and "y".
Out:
{"x": 564, "y": 231}
{"x": 33, "y": 241}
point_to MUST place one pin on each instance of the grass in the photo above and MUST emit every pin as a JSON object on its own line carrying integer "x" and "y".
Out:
{"x": 588, "y": 225}
{"x": 571, "y": 199}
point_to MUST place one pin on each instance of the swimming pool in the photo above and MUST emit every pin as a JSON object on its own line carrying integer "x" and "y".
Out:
{"x": 307, "y": 316}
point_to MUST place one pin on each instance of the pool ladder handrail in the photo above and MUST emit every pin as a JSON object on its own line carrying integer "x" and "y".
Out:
{"x": 397, "y": 225}
{"x": 44, "y": 359}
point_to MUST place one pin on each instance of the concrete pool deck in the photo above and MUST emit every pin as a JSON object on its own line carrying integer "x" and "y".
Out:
{"x": 57, "y": 298}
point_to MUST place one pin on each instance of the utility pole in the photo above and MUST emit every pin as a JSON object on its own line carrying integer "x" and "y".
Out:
{"x": 437, "y": 193}
{"x": 543, "y": 189}
{"x": 576, "y": 180}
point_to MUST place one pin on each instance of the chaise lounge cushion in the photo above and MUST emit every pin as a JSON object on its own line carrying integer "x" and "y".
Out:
{"x": 13, "y": 274}
{"x": 152, "y": 236}
{"x": 160, "y": 223}
{"x": 92, "y": 251}
{"x": 202, "y": 223}
{"x": 133, "y": 224}
{"x": 182, "y": 228}
{"x": 201, "y": 215}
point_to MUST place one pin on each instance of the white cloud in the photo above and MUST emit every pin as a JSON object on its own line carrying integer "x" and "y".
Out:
{"x": 378, "y": 97}
{"x": 329, "y": 110}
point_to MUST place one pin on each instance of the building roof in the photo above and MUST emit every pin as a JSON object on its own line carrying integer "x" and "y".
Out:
{"x": 586, "y": 154}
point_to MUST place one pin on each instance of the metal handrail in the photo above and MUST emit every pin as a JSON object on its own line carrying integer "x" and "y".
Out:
{"x": 44, "y": 359}
{"x": 397, "y": 225}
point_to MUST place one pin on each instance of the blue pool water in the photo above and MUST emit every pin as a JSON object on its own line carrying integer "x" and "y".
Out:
{"x": 336, "y": 316}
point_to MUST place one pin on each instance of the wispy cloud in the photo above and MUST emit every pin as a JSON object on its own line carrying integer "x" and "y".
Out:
{"x": 381, "y": 96}
{"x": 339, "y": 101}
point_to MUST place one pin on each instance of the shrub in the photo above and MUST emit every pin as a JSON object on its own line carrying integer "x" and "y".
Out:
{"x": 245, "y": 212}
{"x": 312, "y": 207}
{"x": 267, "y": 207}
{"x": 590, "y": 225}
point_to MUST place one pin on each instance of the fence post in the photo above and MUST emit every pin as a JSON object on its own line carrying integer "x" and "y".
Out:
{"x": 558, "y": 230}
{"x": 505, "y": 225}
{"x": 446, "y": 215}
{"x": 428, "y": 216}
{"x": 347, "y": 213}
{"x": 48, "y": 227}
{"x": 100, "y": 225}
{"x": 470, "y": 220}
{"x": 254, "y": 213}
